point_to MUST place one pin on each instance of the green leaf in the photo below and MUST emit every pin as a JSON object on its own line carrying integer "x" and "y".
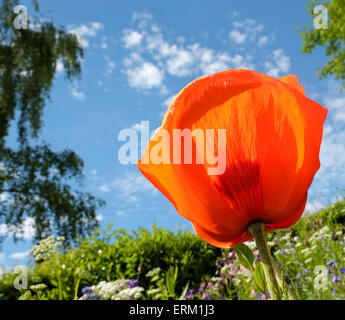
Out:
{"x": 245, "y": 256}
{"x": 259, "y": 277}
{"x": 184, "y": 291}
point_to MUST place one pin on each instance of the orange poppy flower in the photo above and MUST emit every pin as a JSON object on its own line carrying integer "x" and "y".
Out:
{"x": 273, "y": 137}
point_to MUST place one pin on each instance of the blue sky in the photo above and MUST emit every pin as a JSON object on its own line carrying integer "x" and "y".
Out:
{"x": 138, "y": 55}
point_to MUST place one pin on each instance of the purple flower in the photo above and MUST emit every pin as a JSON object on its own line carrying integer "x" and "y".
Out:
{"x": 264, "y": 297}
{"x": 298, "y": 275}
{"x": 336, "y": 278}
{"x": 202, "y": 288}
{"x": 342, "y": 270}
{"x": 305, "y": 270}
{"x": 282, "y": 251}
{"x": 330, "y": 263}
{"x": 90, "y": 296}
{"x": 333, "y": 290}
{"x": 132, "y": 283}
{"x": 190, "y": 293}
{"x": 290, "y": 245}
{"x": 85, "y": 289}
{"x": 206, "y": 296}
{"x": 220, "y": 296}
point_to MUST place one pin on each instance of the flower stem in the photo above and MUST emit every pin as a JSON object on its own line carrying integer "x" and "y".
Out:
{"x": 257, "y": 230}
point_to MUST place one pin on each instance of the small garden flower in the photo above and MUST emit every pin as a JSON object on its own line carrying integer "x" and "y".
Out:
{"x": 330, "y": 263}
{"x": 132, "y": 283}
{"x": 190, "y": 293}
{"x": 336, "y": 278}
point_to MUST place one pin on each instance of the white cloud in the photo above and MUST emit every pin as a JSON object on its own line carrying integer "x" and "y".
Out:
{"x": 59, "y": 67}
{"x": 167, "y": 102}
{"x": 142, "y": 19}
{"x": 237, "y": 36}
{"x": 278, "y": 63}
{"x": 110, "y": 66}
{"x": 152, "y": 57}
{"x": 245, "y": 30}
{"x": 20, "y": 255}
{"x": 145, "y": 75}
{"x": 104, "y": 188}
{"x": 83, "y": 32}
{"x": 131, "y": 184}
{"x": 337, "y": 107}
{"x": 262, "y": 41}
{"x": 329, "y": 180}
{"x": 26, "y": 231}
{"x": 314, "y": 206}
{"x": 104, "y": 44}
{"x": 75, "y": 93}
{"x": 121, "y": 213}
{"x": 242, "y": 62}
{"x": 131, "y": 38}
{"x": 180, "y": 62}
{"x": 208, "y": 61}
{"x": 133, "y": 199}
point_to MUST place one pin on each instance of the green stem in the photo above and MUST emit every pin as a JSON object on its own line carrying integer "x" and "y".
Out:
{"x": 257, "y": 230}
{"x": 60, "y": 290}
{"x": 76, "y": 289}
{"x": 282, "y": 283}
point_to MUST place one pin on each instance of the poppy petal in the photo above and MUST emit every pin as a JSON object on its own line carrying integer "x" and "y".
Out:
{"x": 292, "y": 81}
{"x": 272, "y": 144}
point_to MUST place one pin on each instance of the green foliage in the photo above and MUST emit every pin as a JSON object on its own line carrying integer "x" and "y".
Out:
{"x": 259, "y": 277}
{"x": 245, "y": 256}
{"x": 110, "y": 255}
{"x": 180, "y": 265}
{"x": 122, "y": 254}
{"x": 332, "y": 38}
{"x": 35, "y": 179}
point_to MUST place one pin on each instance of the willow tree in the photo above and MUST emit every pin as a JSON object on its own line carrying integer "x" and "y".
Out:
{"x": 35, "y": 181}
